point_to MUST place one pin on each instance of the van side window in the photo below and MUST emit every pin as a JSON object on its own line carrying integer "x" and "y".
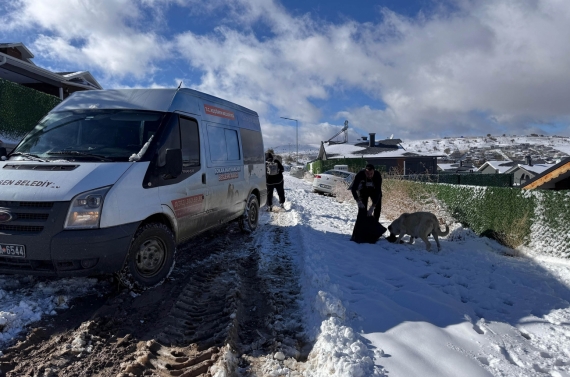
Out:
{"x": 224, "y": 144}
{"x": 252, "y": 144}
{"x": 170, "y": 139}
{"x": 190, "y": 139}
{"x": 233, "y": 144}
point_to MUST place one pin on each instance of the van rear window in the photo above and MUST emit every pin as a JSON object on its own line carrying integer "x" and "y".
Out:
{"x": 252, "y": 144}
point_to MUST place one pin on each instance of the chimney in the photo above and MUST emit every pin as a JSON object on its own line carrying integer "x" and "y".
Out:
{"x": 528, "y": 160}
{"x": 372, "y": 142}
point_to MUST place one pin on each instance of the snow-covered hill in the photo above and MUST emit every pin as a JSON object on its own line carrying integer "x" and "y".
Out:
{"x": 464, "y": 144}
{"x": 479, "y": 148}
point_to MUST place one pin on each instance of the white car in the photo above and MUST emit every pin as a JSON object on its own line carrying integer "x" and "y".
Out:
{"x": 325, "y": 182}
{"x": 297, "y": 171}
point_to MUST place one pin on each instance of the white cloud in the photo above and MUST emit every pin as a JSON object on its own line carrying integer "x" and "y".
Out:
{"x": 88, "y": 35}
{"x": 488, "y": 65}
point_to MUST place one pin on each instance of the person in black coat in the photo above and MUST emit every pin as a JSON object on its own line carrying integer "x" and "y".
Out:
{"x": 274, "y": 180}
{"x": 368, "y": 184}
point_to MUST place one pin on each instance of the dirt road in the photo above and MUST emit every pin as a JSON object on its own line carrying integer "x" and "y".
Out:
{"x": 229, "y": 308}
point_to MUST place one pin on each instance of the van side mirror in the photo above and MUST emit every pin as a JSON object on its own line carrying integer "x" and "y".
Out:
{"x": 173, "y": 167}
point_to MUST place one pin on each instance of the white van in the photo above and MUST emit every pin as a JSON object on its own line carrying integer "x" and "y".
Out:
{"x": 112, "y": 180}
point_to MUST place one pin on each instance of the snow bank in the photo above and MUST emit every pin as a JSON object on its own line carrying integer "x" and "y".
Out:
{"x": 24, "y": 301}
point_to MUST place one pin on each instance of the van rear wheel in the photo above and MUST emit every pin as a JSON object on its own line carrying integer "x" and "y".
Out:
{"x": 249, "y": 220}
{"x": 151, "y": 257}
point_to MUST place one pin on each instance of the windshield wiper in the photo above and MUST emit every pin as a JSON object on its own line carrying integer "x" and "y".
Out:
{"x": 32, "y": 157}
{"x": 78, "y": 153}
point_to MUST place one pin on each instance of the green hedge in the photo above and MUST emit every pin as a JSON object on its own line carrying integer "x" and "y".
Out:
{"x": 549, "y": 228}
{"x": 538, "y": 219}
{"x": 495, "y": 212}
{"x": 21, "y": 108}
{"x": 473, "y": 179}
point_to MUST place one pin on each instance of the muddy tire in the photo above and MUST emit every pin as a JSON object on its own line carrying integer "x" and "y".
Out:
{"x": 250, "y": 218}
{"x": 151, "y": 257}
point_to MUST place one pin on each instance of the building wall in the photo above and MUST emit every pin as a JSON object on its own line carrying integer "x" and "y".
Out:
{"x": 413, "y": 165}
{"x": 488, "y": 170}
{"x": 518, "y": 174}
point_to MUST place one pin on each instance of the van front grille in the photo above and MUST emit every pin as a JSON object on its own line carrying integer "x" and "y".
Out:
{"x": 36, "y": 204}
{"x": 27, "y": 217}
{"x": 21, "y": 228}
{"x": 31, "y": 216}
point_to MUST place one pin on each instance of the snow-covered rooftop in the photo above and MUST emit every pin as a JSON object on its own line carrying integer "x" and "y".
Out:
{"x": 497, "y": 165}
{"x": 535, "y": 168}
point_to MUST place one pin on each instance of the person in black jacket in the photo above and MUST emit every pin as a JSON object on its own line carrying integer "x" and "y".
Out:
{"x": 274, "y": 180}
{"x": 368, "y": 184}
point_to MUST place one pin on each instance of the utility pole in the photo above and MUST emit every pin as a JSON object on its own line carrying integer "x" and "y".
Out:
{"x": 297, "y": 135}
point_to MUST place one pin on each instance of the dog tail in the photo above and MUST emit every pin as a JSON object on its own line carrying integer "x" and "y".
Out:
{"x": 440, "y": 233}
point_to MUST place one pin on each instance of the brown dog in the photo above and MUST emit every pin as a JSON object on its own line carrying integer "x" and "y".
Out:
{"x": 417, "y": 225}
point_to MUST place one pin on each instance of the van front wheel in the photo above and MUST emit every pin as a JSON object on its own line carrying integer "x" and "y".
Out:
{"x": 151, "y": 257}
{"x": 249, "y": 220}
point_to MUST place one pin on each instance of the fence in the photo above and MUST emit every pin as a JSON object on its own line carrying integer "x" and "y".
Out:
{"x": 537, "y": 218}
{"x": 470, "y": 179}
{"x": 21, "y": 108}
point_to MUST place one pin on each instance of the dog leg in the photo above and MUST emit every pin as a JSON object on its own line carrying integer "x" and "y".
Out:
{"x": 426, "y": 241}
{"x": 400, "y": 236}
{"x": 436, "y": 241}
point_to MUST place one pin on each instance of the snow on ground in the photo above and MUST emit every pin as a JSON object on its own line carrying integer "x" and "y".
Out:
{"x": 387, "y": 309}
{"x": 398, "y": 310}
{"x": 25, "y": 299}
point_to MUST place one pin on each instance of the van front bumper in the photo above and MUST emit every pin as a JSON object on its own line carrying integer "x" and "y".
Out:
{"x": 70, "y": 252}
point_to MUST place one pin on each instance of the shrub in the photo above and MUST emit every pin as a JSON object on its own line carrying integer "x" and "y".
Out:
{"x": 400, "y": 196}
{"x": 341, "y": 193}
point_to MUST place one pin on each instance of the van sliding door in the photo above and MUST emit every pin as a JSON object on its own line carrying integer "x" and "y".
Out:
{"x": 225, "y": 171}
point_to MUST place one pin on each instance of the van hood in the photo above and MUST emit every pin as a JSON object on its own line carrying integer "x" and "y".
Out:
{"x": 53, "y": 182}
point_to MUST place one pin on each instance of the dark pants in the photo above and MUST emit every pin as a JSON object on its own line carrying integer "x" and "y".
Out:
{"x": 280, "y": 191}
{"x": 364, "y": 197}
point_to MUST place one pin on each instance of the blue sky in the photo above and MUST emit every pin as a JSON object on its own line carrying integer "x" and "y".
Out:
{"x": 415, "y": 69}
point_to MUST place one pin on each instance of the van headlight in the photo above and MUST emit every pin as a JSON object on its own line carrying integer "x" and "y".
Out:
{"x": 85, "y": 209}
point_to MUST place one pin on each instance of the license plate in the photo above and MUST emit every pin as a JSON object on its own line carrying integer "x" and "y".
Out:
{"x": 15, "y": 251}
{"x": 326, "y": 186}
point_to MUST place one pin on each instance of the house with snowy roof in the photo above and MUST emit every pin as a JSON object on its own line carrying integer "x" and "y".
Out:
{"x": 456, "y": 167}
{"x": 387, "y": 152}
{"x": 16, "y": 65}
{"x": 524, "y": 172}
{"x": 556, "y": 177}
{"x": 495, "y": 167}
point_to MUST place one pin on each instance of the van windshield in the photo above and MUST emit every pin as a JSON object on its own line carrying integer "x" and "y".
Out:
{"x": 89, "y": 135}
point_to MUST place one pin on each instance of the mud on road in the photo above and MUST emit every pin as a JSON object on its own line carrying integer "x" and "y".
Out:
{"x": 230, "y": 307}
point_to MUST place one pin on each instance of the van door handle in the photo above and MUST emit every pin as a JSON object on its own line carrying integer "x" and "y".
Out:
{"x": 204, "y": 178}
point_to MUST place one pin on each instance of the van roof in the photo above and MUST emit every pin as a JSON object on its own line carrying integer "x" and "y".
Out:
{"x": 165, "y": 100}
